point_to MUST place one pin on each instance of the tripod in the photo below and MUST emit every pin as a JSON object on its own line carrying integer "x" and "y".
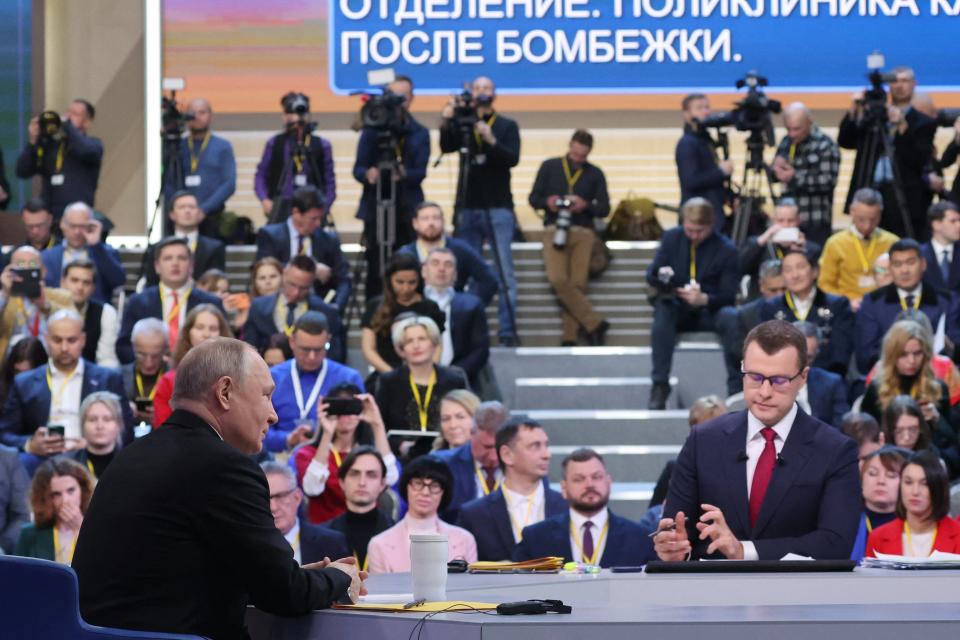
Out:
{"x": 297, "y": 134}
{"x": 172, "y": 168}
{"x": 879, "y": 146}
{"x": 749, "y": 215}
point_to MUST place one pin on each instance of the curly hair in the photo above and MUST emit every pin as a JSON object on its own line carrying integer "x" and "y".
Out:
{"x": 44, "y": 513}
{"x": 889, "y": 379}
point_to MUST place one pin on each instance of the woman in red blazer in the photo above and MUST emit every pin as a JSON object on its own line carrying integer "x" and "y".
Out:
{"x": 923, "y": 524}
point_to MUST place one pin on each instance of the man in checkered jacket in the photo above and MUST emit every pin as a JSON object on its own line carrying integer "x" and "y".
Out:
{"x": 807, "y": 163}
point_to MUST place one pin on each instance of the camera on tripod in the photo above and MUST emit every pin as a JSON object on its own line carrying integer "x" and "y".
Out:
{"x": 874, "y": 101}
{"x": 51, "y": 127}
{"x": 173, "y": 121}
{"x": 465, "y": 108}
{"x": 383, "y": 111}
{"x": 564, "y": 220}
{"x": 947, "y": 117}
{"x": 752, "y": 114}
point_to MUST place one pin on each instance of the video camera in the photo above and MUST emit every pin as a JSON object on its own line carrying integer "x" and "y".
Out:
{"x": 51, "y": 127}
{"x": 947, "y": 117}
{"x": 752, "y": 114}
{"x": 874, "y": 101}
{"x": 465, "y": 108}
{"x": 383, "y": 111}
{"x": 173, "y": 121}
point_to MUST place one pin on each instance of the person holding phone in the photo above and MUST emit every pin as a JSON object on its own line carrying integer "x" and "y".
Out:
{"x": 25, "y": 301}
{"x": 142, "y": 376}
{"x": 101, "y": 421}
{"x": 782, "y": 236}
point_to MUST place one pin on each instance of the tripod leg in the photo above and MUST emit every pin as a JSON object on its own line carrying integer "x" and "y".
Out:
{"x": 503, "y": 261}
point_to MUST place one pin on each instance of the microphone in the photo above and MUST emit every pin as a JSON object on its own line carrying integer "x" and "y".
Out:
{"x": 780, "y": 461}
{"x": 742, "y": 456}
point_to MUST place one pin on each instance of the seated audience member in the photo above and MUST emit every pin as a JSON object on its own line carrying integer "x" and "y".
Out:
{"x": 497, "y": 520}
{"x": 474, "y": 464}
{"x": 101, "y": 419}
{"x": 776, "y": 241}
{"x": 456, "y": 419}
{"x": 880, "y": 479}
{"x": 82, "y": 240}
{"x": 825, "y": 396}
{"x": 302, "y": 234}
{"x": 733, "y": 323}
{"x": 426, "y": 485}
{"x": 473, "y": 272}
{"x": 59, "y": 496}
{"x": 142, "y": 376}
{"x": 881, "y": 270}
{"x": 171, "y": 300}
{"x": 37, "y": 224}
{"x": 33, "y": 406}
{"x": 695, "y": 274}
{"x": 941, "y": 251}
{"x": 310, "y": 375}
{"x": 402, "y": 293}
{"x": 279, "y": 312}
{"x": 589, "y": 532}
{"x": 25, "y": 354}
{"x": 204, "y": 321}
{"x": 23, "y": 315}
{"x": 804, "y": 301}
{"x": 846, "y": 265}
{"x": 880, "y": 308}
{"x": 308, "y": 542}
{"x": 362, "y": 477}
{"x": 863, "y": 429}
{"x": 465, "y": 338}
{"x": 265, "y": 277}
{"x": 14, "y": 484}
{"x": 99, "y": 318}
{"x": 317, "y": 463}
{"x": 187, "y": 216}
{"x": 923, "y": 524}
{"x": 903, "y": 426}
{"x": 409, "y": 396}
{"x": 277, "y": 350}
{"x": 235, "y": 305}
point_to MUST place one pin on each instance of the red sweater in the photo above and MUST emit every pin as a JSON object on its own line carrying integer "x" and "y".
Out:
{"x": 888, "y": 538}
{"x": 332, "y": 502}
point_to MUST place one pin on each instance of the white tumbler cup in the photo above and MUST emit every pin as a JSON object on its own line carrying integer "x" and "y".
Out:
{"x": 428, "y": 566}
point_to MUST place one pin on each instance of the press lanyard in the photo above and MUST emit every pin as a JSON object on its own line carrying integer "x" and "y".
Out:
{"x": 32, "y": 326}
{"x": 869, "y": 524}
{"x": 59, "y": 161}
{"x": 58, "y": 396}
{"x": 794, "y": 308}
{"x": 195, "y": 159}
{"x": 423, "y": 406}
{"x": 863, "y": 256}
{"x": 793, "y": 152}
{"x": 287, "y": 329}
{"x": 483, "y": 481}
{"x": 916, "y": 303}
{"x": 90, "y": 469}
{"x": 298, "y": 391}
{"x": 336, "y": 454}
{"x": 175, "y": 310}
{"x": 518, "y": 530}
{"x": 933, "y": 541}
{"x": 596, "y": 549}
{"x": 153, "y": 391}
{"x": 489, "y": 124}
{"x": 693, "y": 263}
{"x": 296, "y": 156}
{"x": 366, "y": 561}
{"x": 56, "y": 546}
{"x": 571, "y": 179}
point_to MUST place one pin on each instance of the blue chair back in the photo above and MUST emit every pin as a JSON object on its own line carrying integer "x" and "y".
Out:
{"x": 41, "y": 600}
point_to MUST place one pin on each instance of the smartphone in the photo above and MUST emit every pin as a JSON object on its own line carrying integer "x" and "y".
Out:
{"x": 29, "y": 284}
{"x": 56, "y": 430}
{"x": 344, "y": 406}
{"x": 788, "y": 234}
{"x": 143, "y": 404}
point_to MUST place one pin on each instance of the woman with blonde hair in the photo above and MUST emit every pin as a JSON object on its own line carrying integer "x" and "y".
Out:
{"x": 101, "y": 424}
{"x": 456, "y": 418}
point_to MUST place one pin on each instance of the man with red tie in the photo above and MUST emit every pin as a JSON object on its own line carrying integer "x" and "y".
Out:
{"x": 771, "y": 480}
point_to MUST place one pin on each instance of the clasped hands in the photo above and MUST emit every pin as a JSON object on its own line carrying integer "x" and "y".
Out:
{"x": 349, "y": 566}
{"x": 672, "y": 544}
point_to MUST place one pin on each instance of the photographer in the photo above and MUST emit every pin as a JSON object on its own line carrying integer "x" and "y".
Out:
{"x": 572, "y": 193}
{"x": 25, "y": 305}
{"x": 949, "y": 156}
{"x": 781, "y": 236}
{"x": 911, "y": 133}
{"x": 494, "y": 147}
{"x": 64, "y": 155}
{"x": 702, "y": 174}
{"x": 296, "y": 157}
{"x": 807, "y": 164}
{"x": 410, "y": 146}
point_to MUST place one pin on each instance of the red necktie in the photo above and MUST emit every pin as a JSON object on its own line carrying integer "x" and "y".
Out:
{"x": 173, "y": 322}
{"x": 762, "y": 474}
{"x": 587, "y": 542}
{"x": 491, "y": 479}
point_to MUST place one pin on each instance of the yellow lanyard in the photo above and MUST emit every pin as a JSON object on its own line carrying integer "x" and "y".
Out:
{"x": 175, "y": 310}
{"x": 916, "y": 303}
{"x": 366, "y": 561}
{"x": 282, "y": 311}
{"x": 56, "y": 546}
{"x": 90, "y": 469}
{"x": 793, "y": 152}
{"x": 195, "y": 159}
{"x": 571, "y": 179}
{"x": 58, "y": 396}
{"x": 793, "y": 307}
{"x": 336, "y": 455}
{"x": 596, "y": 548}
{"x": 518, "y": 529}
{"x": 933, "y": 541}
{"x": 483, "y": 481}
{"x": 60, "y": 151}
{"x": 296, "y": 156}
{"x": 423, "y": 406}
{"x": 489, "y": 124}
{"x": 153, "y": 391}
{"x": 693, "y": 263}
{"x": 779, "y": 253}
{"x": 863, "y": 256}
{"x": 869, "y": 524}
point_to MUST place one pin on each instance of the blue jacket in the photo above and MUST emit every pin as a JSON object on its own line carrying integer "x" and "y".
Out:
{"x": 717, "y": 266}
{"x": 469, "y": 334}
{"x": 472, "y": 269}
{"x": 217, "y": 168}
{"x": 811, "y": 506}
{"x": 415, "y": 152}
{"x": 487, "y": 519}
{"x": 460, "y": 462}
{"x": 699, "y": 173}
{"x": 147, "y": 304}
{"x": 260, "y": 325}
{"x": 626, "y": 545}
{"x": 879, "y": 311}
{"x": 106, "y": 259}
{"x": 827, "y": 395}
{"x": 274, "y": 240}
{"x": 317, "y": 543}
{"x": 933, "y": 276}
{"x": 28, "y": 404}
{"x": 836, "y": 321}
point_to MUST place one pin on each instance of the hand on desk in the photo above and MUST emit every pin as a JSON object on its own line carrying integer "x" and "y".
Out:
{"x": 349, "y": 566}
{"x": 670, "y": 542}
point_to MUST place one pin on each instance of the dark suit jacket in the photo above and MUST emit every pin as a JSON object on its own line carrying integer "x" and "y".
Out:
{"x": 210, "y": 254}
{"x": 469, "y": 334}
{"x": 260, "y": 325}
{"x": 35, "y": 543}
{"x": 28, "y": 404}
{"x": 879, "y": 311}
{"x": 460, "y": 462}
{"x": 836, "y": 321}
{"x": 146, "y": 304}
{"x": 626, "y": 545}
{"x": 174, "y": 562}
{"x": 717, "y": 266}
{"x": 813, "y": 502}
{"x": 933, "y": 276}
{"x": 472, "y": 269}
{"x": 106, "y": 259}
{"x": 827, "y": 395}
{"x": 699, "y": 173}
{"x": 274, "y": 240}
{"x": 317, "y": 543}
{"x": 14, "y": 484}
{"x": 487, "y": 519}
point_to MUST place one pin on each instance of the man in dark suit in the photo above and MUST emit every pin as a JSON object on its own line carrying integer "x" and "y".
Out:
{"x": 825, "y": 396}
{"x": 702, "y": 174}
{"x": 141, "y": 377}
{"x": 941, "y": 251}
{"x": 187, "y": 216}
{"x": 213, "y": 545}
{"x": 37, "y": 226}
{"x": 303, "y": 234}
{"x": 768, "y": 481}
{"x": 278, "y": 313}
{"x": 880, "y": 308}
{"x": 99, "y": 318}
{"x": 170, "y": 300}
{"x": 51, "y": 394}
{"x": 589, "y": 532}
{"x": 524, "y": 498}
{"x": 695, "y": 274}
{"x": 81, "y": 239}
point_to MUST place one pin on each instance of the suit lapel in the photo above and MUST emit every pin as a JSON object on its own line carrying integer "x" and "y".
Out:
{"x": 614, "y": 542}
{"x": 735, "y": 470}
{"x": 795, "y": 454}
{"x": 45, "y": 397}
{"x": 561, "y": 537}
{"x": 284, "y": 248}
{"x": 501, "y": 519}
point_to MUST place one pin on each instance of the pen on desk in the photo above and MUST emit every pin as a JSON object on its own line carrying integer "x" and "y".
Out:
{"x": 672, "y": 527}
{"x": 415, "y": 603}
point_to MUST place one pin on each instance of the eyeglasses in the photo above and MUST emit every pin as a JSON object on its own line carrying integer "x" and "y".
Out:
{"x": 282, "y": 494}
{"x": 777, "y": 382}
{"x": 419, "y": 484}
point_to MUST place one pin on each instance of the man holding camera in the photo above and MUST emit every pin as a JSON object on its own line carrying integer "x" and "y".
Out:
{"x": 702, "y": 173}
{"x": 486, "y": 209}
{"x": 572, "y": 193}
{"x": 66, "y": 157}
{"x": 409, "y": 151}
{"x": 25, "y": 301}
{"x": 294, "y": 158}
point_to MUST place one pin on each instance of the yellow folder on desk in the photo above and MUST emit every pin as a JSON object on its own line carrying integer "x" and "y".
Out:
{"x": 548, "y": 564}
{"x": 451, "y": 606}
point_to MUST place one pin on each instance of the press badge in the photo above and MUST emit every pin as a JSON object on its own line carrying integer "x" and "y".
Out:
{"x": 56, "y": 179}
{"x": 481, "y": 159}
{"x": 191, "y": 181}
{"x": 308, "y": 423}
{"x": 300, "y": 180}
{"x": 866, "y": 282}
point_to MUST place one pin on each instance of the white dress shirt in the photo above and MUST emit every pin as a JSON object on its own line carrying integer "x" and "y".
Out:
{"x": 106, "y": 346}
{"x": 65, "y": 391}
{"x": 916, "y": 292}
{"x": 804, "y": 305}
{"x": 444, "y": 299}
{"x": 938, "y": 250}
{"x": 599, "y": 521}
{"x": 191, "y": 238}
{"x": 293, "y": 539}
{"x": 166, "y": 297}
{"x": 295, "y": 241}
{"x": 480, "y": 478}
{"x": 520, "y": 510}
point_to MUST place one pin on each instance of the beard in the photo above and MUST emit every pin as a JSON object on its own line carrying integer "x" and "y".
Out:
{"x": 432, "y": 235}
{"x": 582, "y": 505}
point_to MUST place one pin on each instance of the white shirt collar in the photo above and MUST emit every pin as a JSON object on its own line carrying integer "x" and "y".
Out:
{"x": 857, "y": 233}
{"x": 437, "y": 295}
{"x": 916, "y": 291}
{"x": 808, "y": 300}
{"x": 515, "y": 498}
{"x": 599, "y": 520}
{"x": 78, "y": 372}
{"x": 190, "y": 237}
{"x": 938, "y": 249}
{"x": 182, "y": 291}
{"x": 294, "y": 234}
{"x": 293, "y": 534}
{"x": 782, "y": 428}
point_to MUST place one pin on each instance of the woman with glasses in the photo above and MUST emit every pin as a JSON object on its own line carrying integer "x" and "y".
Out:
{"x": 880, "y": 479}
{"x": 903, "y": 426}
{"x": 427, "y": 486}
{"x": 923, "y": 524}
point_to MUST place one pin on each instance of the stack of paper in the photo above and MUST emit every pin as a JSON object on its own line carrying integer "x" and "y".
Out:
{"x": 936, "y": 560}
{"x": 551, "y": 564}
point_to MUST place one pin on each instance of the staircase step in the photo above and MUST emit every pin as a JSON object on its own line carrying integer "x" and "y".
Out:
{"x": 584, "y": 392}
{"x": 610, "y": 427}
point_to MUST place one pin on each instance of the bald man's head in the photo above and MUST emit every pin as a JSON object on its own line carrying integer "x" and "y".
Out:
{"x": 798, "y": 120}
